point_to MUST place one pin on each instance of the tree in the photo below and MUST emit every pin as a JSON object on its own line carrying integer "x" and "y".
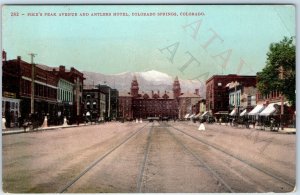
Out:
{"x": 280, "y": 70}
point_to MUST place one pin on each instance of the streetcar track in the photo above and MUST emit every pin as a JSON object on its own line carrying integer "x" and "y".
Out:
{"x": 235, "y": 157}
{"x": 93, "y": 164}
{"x": 140, "y": 177}
{"x": 215, "y": 174}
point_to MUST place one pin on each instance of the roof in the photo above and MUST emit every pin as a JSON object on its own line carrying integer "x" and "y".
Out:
{"x": 45, "y": 67}
{"x": 230, "y": 75}
{"x": 124, "y": 94}
{"x": 161, "y": 94}
{"x": 176, "y": 78}
{"x": 190, "y": 95}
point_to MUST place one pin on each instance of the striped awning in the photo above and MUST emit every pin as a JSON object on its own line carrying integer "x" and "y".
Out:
{"x": 186, "y": 116}
{"x": 256, "y": 110}
{"x": 233, "y": 112}
{"x": 270, "y": 109}
{"x": 243, "y": 113}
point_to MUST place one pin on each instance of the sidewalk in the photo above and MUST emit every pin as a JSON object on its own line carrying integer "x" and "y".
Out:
{"x": 286, "y": 130}
{"x": 10, "y": 131}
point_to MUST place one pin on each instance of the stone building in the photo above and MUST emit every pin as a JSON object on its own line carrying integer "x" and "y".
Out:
{"x": 94, "y": 101}
{"x": 189, "y": 103}
{"x": 111, "y": 99}
{"x": 70, "y": 88}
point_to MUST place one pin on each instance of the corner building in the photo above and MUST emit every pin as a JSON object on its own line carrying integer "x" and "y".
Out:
{"x": 217, "y": 95}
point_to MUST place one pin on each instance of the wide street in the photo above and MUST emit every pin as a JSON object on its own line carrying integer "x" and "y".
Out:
{"x": 149, "y": 157}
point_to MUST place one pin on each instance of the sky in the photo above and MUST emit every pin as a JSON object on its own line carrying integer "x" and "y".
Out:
{"x": 221, "y": 39}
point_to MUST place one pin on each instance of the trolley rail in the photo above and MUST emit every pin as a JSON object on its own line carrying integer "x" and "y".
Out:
{"x": 235, "y": 157}
{"x": 93, "y": 164}
{"x": 215, "y": 174}
{"x": 140, "y": 177}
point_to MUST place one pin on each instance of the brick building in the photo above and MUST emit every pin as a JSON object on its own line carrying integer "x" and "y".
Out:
{"x": 217, "y": 96}
{"x": 135, "y": 104}
{"x": 57, "y": 92}
{"x": 276, "y": 105}
{"x": 125, "y": 105}
{"x": 16, "y": 88}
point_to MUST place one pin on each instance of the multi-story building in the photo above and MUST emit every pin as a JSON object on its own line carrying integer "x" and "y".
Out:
{"x": 57, "y": 91}
{"x": 217, "y": 97}
{"x": 94, "y": 101}
{"x": 125, "y": 106}
{"x": 135, "y": 104}
{"x": 189, "y": 103}
{"x": 75, "y": 79}
{"x": 242, "y": 98}
{"x": 114, "y": 103}
{"x": 16, "y": 86}
{"x": 276, "y": 105}
{"x": 111, "y": 99}
{"x": 65, "y": 96}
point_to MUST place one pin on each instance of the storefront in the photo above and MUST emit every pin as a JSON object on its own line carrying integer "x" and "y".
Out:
{"x": 11, "y": 111}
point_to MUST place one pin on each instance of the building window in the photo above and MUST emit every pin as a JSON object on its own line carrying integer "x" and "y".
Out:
{"x": 249, "y": 100}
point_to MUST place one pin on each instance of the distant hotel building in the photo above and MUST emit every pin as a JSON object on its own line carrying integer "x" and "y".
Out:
{"x": 134, "y": 104}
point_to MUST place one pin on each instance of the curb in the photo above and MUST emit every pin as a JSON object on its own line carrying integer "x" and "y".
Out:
{"x": 44, "y": 129}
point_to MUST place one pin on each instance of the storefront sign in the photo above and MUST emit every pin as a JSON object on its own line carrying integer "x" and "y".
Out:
{"x": 9, "y": 94}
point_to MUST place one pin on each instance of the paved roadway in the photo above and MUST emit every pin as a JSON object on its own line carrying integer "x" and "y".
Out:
{"x": 149, "y": 157}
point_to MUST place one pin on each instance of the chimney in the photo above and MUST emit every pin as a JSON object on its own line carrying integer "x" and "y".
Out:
{"x": 158, "y": 93}
{"x": 62, "y": 68}
{"x": 19, "y": 58}
{"x": 197, "y": 91}
{"x": 152, "y": 93}
{"x": 3, "y": 55}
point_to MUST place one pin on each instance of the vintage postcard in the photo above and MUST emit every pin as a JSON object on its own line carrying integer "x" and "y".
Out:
{"x": 148, "y": 98}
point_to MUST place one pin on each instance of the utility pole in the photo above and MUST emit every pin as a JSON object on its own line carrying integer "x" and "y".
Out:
{"x": 281, "y": 71}
{"x": 32, "y": 82}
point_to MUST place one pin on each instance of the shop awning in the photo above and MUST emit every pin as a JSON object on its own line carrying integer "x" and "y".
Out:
{"x": 186, "y": 116}
{"x": 222, "y": 113}
{"x": 270, "y": 109}
{"x": 191, "y": 116}
{"x": 205, "y": 113}
{"x": 197, "y": 115}
{"x": 243, "y": 113}
{"x": 256, "y": 110}
{"x": 233, "y": 112}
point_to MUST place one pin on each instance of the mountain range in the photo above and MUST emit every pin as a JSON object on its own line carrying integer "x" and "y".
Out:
{"x": 149, "y": 80}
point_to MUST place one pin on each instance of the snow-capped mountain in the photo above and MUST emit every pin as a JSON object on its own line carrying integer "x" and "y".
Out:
{"x": 149, "y": 80}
